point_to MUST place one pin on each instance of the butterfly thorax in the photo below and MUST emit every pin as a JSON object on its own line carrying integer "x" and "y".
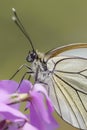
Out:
{"x": 38, "y": 65}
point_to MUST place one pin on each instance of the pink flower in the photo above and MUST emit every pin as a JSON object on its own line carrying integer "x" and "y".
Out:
{"x": 38, "y": 103}
{"x": 40, "y": 107}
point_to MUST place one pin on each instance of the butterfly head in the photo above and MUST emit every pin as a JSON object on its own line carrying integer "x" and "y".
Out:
{"x": 32, "y": 55}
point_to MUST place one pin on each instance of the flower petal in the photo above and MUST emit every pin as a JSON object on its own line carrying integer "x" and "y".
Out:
{"x": 25, "y": 86}
{"x": 39, "y": 105}
{"x": 8, "y": 87}
{"x": 41, "y": 113}
{"x": 27, "y": 126}
{"x": 11, "y": 113}
{"x": 41, "y": 88}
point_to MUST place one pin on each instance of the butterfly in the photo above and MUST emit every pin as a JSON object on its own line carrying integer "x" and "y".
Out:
{"x": 64, "y": 71}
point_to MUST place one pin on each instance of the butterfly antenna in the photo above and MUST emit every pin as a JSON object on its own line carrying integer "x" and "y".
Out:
{"x": 17, "y": 21}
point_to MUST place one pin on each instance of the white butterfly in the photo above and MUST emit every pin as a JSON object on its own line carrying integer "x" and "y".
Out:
{"x": 64, "y": 70}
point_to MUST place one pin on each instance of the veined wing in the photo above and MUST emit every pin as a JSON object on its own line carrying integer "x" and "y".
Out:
{"x": 68, "y": 66}
{"x": 71, "y": 104}
{"x": 76, "y": 49}
{"x": 69, "y": 88}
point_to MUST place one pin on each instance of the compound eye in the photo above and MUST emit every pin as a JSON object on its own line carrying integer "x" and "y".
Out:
{"x": 31, "y": 56}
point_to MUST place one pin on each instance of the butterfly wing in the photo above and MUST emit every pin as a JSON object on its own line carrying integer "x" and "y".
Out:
{"x": 69, "y": 83}
{"x": 66, "y": 49}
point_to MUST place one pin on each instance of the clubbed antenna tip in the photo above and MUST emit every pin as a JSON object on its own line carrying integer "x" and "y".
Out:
{"x": 13, "y": 9}
{"x": 14, "y": 18}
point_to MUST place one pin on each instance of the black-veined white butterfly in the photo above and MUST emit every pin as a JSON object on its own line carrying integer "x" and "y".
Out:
{"x": 64, "y": 70}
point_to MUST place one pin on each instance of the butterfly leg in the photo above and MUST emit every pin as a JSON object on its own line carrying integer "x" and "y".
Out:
{"x": 23, "y": 77}
{"x": 20, "y": 68}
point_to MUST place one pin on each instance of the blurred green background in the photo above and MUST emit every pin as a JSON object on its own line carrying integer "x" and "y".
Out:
{"x": 50, "y": 23}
